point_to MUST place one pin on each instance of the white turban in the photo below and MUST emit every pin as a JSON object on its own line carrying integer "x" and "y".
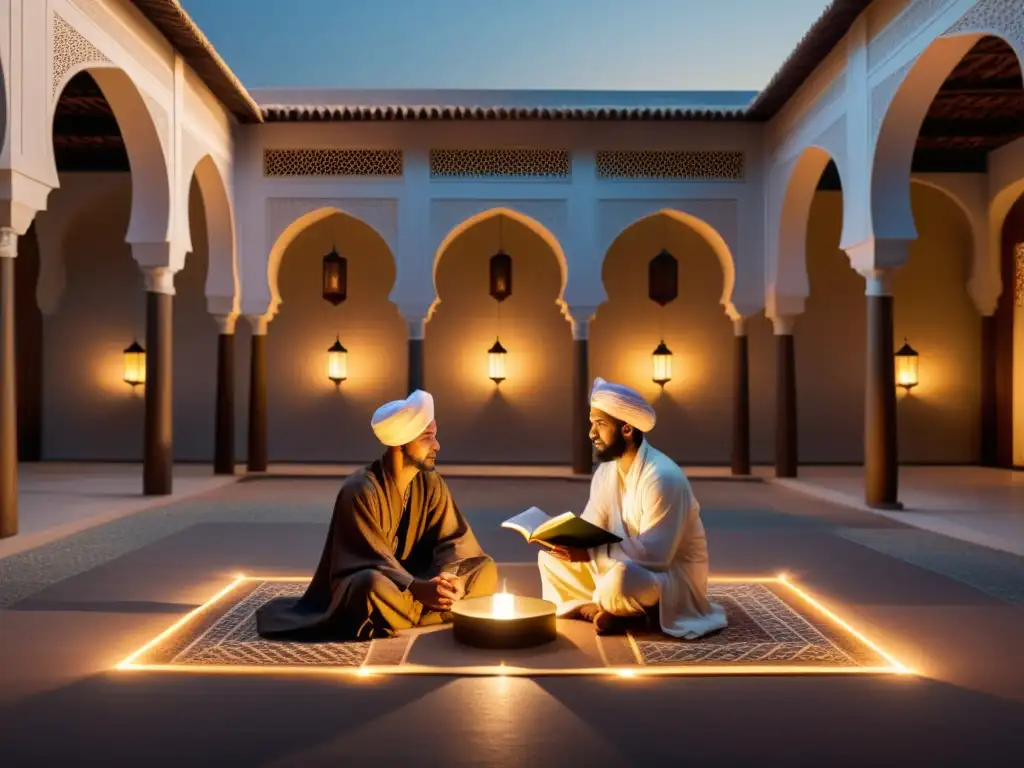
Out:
{"x": 622, "y": 403}
{"x": 402, "y": 421}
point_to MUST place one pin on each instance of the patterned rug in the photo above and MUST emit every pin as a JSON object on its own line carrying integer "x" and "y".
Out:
{"x": 770, "y": 626}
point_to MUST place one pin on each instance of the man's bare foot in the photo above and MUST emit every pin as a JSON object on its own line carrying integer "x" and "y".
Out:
{"x": 608, "y": 624}
{"x": 585, "y": 612}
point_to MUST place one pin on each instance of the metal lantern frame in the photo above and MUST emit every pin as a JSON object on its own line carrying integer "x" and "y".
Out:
{"x": 135, "y": 374}
{"x": 336, "y": 352}
{"x": 335, "y": 277}
{"x": 499, "y": 288}
{"x": 907, "y": 362}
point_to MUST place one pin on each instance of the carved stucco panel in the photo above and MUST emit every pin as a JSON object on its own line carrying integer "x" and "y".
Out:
{"x": 1003, "y": 18}
{"x": 379, "y": 213}
{"x": 70, "y": 50}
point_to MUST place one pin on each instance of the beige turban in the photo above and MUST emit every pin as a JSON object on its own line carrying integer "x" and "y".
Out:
{"x": 622, "y": 403}
{"x": 402, "y": 421}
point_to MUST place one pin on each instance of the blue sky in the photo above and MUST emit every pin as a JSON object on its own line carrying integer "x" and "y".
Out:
{"x": 560, "y": 44}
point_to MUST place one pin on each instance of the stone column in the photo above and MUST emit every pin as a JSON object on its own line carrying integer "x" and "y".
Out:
{"x": 785, "y": 397}
{"x": 415, "y": 342}
{"x": 158, "y": 440}
{"x": 740, "y": 400}
{"x": 881, "y": 460}
{"x": 8, "y": 388}
{"x": 582, "y": 448}
{"x": 224, "y": 416}
{"x": 257, "y": 449}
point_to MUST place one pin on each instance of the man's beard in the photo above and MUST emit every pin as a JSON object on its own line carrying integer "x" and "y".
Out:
{"x": 613, "y": 451}
{"x": 426, "y": 465}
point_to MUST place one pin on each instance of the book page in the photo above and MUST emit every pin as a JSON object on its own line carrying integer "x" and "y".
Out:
{"x": 553, "y": 522}
{"x": 527, "y": 522}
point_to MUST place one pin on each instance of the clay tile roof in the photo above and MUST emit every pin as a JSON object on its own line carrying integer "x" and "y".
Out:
{"x": 177, "y": 26}
{"x": 824, "y": 35}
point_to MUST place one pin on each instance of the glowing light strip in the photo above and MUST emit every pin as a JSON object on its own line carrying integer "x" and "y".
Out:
{"x": 895, "y": 667}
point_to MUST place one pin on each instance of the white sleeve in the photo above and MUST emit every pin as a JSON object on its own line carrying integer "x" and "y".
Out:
{"x": 664, "y": 503}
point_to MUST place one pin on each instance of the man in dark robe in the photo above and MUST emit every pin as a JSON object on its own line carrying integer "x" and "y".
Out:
{"x": 398, "y": 554}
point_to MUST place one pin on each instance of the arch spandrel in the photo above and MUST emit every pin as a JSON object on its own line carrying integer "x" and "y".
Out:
{"x": 717, "y": 221}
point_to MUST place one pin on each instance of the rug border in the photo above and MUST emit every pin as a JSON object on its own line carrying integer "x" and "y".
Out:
{"x": 893, "y": 667}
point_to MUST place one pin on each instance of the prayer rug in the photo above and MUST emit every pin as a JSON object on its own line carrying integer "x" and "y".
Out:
{"x": 774, "y": 627}
{"x": 769, "y": 624}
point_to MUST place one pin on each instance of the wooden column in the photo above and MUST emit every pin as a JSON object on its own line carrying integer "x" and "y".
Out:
{"x": 881, "y": 459}
{"x": 416, "y": 371}
{"x": 8, "y": 388}
{"x": 740, "y": 400}
{"x": 582, "y": 448}
{"x": 989, "y": 392}
{"x": 785, "y": 398}
{"x": 224, "y": 417}
{"x": 158, "y": 440}
{"x": 257, "y": 453}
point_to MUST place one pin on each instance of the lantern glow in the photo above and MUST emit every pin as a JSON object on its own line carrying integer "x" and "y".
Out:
{"x": 661, "y": 361}
{"x": 496, "y": 362}
{"x": 135, "y": 364}
{"x": 906, "y": 367}
{"x": 337, "y": 362}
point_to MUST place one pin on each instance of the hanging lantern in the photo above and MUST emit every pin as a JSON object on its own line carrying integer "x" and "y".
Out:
{"x": 337, "y": 362}
{"x": 906, "y": 367}
{"x": 135, "y": 364}
{"x": 496, "y": 362}
{"x": 663, "y": 278}
{"x": 501, "y": 276}
{"x": 662, "y": 364}
{"x": 335, "y": 277}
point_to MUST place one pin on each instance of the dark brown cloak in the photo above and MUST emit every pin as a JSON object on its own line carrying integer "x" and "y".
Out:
{"x": 372, "y": 527}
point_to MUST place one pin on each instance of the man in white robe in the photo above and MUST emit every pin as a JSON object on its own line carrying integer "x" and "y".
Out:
{"x": 644, "y": 497}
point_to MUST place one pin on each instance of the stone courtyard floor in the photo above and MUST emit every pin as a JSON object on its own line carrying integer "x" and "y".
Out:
{"x": 73, "y": 607}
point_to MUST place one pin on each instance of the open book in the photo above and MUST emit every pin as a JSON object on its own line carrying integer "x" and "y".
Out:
{"x": 565, "y": 530}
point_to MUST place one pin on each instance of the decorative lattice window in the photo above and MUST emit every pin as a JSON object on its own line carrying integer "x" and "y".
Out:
{"x": 1018, "y": 286}
{"x": 332, "y": 162}
{"x": 500, "y": 163}
{"x": 669, "y": 164}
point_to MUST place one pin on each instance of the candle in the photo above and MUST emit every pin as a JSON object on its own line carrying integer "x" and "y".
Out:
{"x": 503, "y": 605}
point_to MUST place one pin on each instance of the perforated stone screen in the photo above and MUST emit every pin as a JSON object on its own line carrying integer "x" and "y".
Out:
{"x": 670, "y": 164}
{"x": 332, "y": 162}
{"x": 500, "y": 163}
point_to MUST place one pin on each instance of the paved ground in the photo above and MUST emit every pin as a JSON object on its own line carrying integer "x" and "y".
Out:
{"x": 73, "y": 608}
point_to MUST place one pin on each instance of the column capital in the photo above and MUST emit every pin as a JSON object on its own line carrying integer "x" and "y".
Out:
{"x": 877, "y": 255}
{"x": 878, "y": 282}
{"x": 8, "y": 243}
{"x": 739, "y": 326}
{"x": 259, "y": 324}
{"x": 579, "y": 316}
{"x": 159, "y": 280}
{"x": 783, "y": 306}
{"x": 415, "y": 316}
{"x": 226, "y": 324}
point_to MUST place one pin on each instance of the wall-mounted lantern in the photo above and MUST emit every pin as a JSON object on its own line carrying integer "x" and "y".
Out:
{"x": 335, "y": 278}
{"x": 337, "y": 362}
{"x": 662, "y": 288}
{"x": 906, "y": 367}
{"x": 500, "y": 289}
{"x": 135, "y": 364}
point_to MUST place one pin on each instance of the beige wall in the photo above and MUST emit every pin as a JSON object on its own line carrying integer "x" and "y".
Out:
{"x": 89, "y": 413}
{"x": 527, "y": 418}
{"x": 940, "y": 420}
{"x": 309, "y": 418}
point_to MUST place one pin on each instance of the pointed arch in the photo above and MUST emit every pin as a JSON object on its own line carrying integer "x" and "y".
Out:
{"x": 150, "y": 220}
{"x": 223, "y": 292}
{"x": 527, "y": 221}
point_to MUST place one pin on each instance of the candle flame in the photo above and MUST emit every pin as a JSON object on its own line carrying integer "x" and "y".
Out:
{"x": 503, "y": 605}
